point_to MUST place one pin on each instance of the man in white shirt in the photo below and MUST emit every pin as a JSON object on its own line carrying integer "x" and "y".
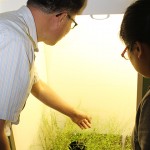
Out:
{"x": 40, "y": 20}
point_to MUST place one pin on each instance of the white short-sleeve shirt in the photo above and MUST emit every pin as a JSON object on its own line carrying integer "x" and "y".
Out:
{"x": 18, "y": 40}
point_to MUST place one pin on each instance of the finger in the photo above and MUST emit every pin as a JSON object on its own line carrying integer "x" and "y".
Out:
{"x": 81, "y": 126}
{"x": 89, "y": 119}
{"x": 85, "y": 124}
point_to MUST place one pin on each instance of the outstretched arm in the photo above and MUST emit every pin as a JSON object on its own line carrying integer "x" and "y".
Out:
{"x": 46, "y": 95}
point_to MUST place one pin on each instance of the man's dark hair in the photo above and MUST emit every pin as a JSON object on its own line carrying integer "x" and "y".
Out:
{"x": 49, "y": 6}
{"x": 136, "y": 23}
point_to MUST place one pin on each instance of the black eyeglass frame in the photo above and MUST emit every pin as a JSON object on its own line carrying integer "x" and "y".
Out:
{"x": 75, "y": 24}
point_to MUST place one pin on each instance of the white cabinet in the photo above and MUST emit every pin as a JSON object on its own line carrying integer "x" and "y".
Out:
{"x": 93, "y": 6}
{"x": 8, "y": 5}
{"x": 106, "y": 6}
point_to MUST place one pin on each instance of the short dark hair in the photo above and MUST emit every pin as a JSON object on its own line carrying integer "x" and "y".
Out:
{"x": 49, "y": 6}
{"x": 136, "y": 23}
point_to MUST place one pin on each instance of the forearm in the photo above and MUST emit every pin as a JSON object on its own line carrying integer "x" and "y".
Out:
{"x": 4, "y": 144}
{"x": 46, "y": 95}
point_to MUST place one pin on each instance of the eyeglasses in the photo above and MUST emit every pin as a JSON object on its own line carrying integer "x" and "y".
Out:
{"x": 125, "y": 54}
{"x": 74, "y": 24}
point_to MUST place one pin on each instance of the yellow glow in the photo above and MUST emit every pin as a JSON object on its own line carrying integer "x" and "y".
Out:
{"x": 87, "y": 69}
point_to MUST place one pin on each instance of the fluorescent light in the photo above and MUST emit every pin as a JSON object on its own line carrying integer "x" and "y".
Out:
{"x": 100, "y": 17}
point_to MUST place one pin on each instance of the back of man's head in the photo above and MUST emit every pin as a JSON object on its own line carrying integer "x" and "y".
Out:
{"x": 136, "y": 23}
{"x": 50, "y": 6}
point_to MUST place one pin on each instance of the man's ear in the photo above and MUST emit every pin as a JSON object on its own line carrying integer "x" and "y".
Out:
{"x": 61, "y": 17}
{"x": 138, "y": 49}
